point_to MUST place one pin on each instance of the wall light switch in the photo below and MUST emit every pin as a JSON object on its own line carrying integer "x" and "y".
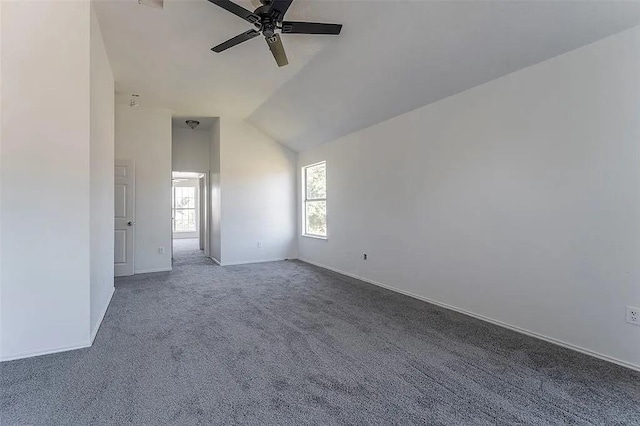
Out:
{"x": 160, "y": 250}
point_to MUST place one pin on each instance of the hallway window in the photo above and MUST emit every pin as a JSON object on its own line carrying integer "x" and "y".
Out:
{"x": 184, "y": 209}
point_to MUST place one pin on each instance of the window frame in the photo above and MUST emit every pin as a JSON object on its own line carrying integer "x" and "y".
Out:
{"x": 175, "y": 209}
{"x": 305, "y": 200}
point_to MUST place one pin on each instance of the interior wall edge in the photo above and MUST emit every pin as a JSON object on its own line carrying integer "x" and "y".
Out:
{"x": 94, "y": 332}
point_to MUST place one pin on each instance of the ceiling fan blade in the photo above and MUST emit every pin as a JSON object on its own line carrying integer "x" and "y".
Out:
{"x": 290, "y": 27}
{"x": 281, "y": 6}
{"x": 277, "y": 49}
{"x": 237, "y": 10}
{"x": 236, "y": 40}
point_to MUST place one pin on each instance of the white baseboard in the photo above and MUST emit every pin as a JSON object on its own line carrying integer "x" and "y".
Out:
{"x": 484, "y": 318}
{"x": 248, "y": 262}
{"x": 94, "y": 332}
{"x": 45, "y": 352}
{"x": 215, "y": 260}
{"x": 151, "y": 271}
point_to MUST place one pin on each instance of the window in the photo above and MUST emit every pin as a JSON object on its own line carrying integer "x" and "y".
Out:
{"x": 184, "y": 209}
{"x": 315, "y": 199}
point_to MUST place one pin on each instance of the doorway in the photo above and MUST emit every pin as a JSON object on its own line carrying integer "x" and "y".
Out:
{"x": 189, "y": 213}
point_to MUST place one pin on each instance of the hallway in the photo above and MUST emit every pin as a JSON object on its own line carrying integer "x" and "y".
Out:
{"x": 186, "y": 251}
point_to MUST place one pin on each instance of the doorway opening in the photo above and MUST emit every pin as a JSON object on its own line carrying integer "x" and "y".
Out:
{"x": 189, "y": 214}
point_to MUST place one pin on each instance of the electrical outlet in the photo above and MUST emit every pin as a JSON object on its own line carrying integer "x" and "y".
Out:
{"x": 160, "y": 250}
{"x": 633, "y": 315}
{"x": 364, "y": 256}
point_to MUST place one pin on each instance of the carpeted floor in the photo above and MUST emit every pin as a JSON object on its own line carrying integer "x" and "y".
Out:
{"x": 287, "y": 343}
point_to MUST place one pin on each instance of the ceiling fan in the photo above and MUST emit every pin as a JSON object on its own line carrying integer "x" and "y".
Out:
{"x": 268, "y": 18}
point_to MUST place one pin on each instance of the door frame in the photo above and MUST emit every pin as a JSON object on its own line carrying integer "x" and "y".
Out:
{"x": 204, "y": 209}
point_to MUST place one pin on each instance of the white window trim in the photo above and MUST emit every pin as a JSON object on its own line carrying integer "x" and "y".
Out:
{"x": 305, "y": 200}
{"x": 195, "y": 209}
{"x": 314, "y": 237}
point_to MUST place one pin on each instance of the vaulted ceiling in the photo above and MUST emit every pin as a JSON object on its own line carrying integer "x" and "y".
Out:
{"x": 392, "y": 57}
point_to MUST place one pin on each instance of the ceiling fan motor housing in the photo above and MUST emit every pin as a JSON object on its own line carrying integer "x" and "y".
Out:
{"x": 268, "y": 26}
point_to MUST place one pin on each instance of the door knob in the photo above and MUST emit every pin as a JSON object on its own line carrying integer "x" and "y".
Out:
{"x": 129, "y": 223}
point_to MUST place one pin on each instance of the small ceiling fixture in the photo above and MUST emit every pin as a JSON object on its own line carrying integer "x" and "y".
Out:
{"x": 135, "y": 100}
{"x": 192, "y": 123}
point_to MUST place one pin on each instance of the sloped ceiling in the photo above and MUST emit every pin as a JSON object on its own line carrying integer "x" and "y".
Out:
{"x": 392, "y": 57}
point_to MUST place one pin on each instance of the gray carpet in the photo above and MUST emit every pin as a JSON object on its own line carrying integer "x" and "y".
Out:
{"x": 287, "y": 343}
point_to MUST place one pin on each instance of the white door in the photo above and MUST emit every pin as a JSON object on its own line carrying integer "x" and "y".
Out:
{"x": 124, "y": 217}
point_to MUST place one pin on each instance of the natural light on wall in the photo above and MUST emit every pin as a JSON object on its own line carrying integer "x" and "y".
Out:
{"x": 314, "y": 181}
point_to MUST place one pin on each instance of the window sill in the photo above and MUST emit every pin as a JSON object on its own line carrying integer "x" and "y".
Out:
{"x": 315, "y": 237}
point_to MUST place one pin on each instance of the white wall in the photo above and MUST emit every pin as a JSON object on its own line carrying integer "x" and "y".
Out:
{"x": 44, "y": 170}
{"x": 144, "y": 136}
{"x": 518, "y": 200}
{"x": 101, "y": 173}
{"x": 214, "y": 193}
{"x": 190, "y": 150}
{"x": 258, "y": 195}
{"x": 252, "y": 180}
